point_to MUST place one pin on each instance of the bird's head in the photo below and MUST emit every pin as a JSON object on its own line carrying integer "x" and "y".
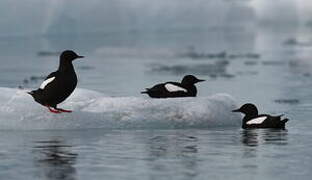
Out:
{"x": 190, "y": 79}
{"x": 248, "y": 109}
{"x": 69, "y": 55}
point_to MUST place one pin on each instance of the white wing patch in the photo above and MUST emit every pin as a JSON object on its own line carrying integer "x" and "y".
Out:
{"x": 174, "y": 88}
{"x": 46, "y": 82}
{"x": 258, "y": 120}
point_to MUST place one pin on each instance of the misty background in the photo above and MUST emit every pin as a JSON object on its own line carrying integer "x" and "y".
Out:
{"x": 76, "y": 17}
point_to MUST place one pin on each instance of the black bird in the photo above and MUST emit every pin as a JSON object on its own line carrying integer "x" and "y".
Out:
{"x": 174, "y": 89}
{"x": 59, "y": 84}
{"x": 253, "y": 120}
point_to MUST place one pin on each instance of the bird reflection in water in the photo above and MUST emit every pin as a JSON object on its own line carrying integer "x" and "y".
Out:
{"x": 55, "y": 160}
{"x": 183, "y": 149}
{"x": 174, "y": 145}
{"x": 255, "y": 137}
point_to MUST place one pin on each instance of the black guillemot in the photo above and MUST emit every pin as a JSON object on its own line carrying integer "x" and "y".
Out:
{"x": 253, "y": 120}
{"x": 174, "y": 89}
{"x": 59, "y": 84}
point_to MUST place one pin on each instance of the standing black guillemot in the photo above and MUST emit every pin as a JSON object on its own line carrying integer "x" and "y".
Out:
{"x": 59, "y": 84}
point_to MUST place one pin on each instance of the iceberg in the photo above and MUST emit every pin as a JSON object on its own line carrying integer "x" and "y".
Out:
{"x": 93, "y": 109}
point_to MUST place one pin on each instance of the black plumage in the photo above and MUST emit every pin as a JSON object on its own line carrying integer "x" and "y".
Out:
{"x": 59, "y": 84}
{"x": 186, "y": 88}
{"x": 253, "y": 120}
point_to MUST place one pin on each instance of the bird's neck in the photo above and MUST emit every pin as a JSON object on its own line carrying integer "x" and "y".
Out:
{"x": 191, "y": 88}
{"x": 187, "y": 85}
{"x": 250, "y": 116}
{"x": 65, "y": 66}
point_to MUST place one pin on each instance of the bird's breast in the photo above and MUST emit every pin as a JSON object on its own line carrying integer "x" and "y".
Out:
{"x": 69, "y": 81}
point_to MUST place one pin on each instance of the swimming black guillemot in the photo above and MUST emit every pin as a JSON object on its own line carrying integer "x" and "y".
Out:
{"x": 253, "y": 120}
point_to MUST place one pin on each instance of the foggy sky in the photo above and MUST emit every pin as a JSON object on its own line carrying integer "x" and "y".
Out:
{"x": 40, "y": 17}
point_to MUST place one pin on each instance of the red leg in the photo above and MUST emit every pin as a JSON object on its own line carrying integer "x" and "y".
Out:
{"x": 64, "y": 110}
{"x": 53, "y": 111}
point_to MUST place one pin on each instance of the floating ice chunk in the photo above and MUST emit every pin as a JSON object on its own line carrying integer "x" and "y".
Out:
{"x": 94, "y": 110}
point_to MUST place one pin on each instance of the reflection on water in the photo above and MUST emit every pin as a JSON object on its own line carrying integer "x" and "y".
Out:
{"x": 255, "y": 137}
{"x": 55, "y": 160}
{"x": 179, "y": 150}
{"x": 161, "y": 146}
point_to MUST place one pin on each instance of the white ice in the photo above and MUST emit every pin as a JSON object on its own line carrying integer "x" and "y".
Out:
{"x": 94, "y": 110}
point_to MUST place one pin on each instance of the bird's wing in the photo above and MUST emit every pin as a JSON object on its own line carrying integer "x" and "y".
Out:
{"x": 257, "y": 120}
{"x": 48, "y": 80}
{"x": 53, "y": 74}
{"x": 156, "y": 88}
{"x": 274, "y": 118}
{"x": 174, "y": 88}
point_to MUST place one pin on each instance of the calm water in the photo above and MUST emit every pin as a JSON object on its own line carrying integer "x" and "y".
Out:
{"x": 252, "y": 65}
{"x": 155, "y": 154}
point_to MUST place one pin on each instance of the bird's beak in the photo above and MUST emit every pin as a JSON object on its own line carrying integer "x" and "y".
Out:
{"x": 200, "y": 80}
{"x": 236, "y": 110}
{"x": 79, "y": 57}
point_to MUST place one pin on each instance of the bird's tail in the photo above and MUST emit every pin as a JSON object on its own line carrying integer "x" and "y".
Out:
{"x": 146, "y": 91}
{"x": 32, "y": 93}
{"x": 281, "y": 115}
{"x": 284, "y": 121}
